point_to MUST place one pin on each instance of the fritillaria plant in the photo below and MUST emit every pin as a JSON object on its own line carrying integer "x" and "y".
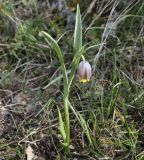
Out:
{"x": 84, "y": 74}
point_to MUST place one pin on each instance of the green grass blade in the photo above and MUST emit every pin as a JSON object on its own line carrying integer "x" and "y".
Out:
{"x": 85, "y": 128}
{"x": 53, "y": 81}
{"x": 82, "y": 122}
{"x": 78, "y": 32}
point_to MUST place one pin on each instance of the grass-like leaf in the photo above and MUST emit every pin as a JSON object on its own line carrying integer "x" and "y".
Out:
{"x": 61, "y": 125}
{"x": 82, "y": 122}
{"x": 78, "y": 32}
{"x": 78, "y": 49}
{"x": 65, "y": 131}
{"x": 58, "y": 51}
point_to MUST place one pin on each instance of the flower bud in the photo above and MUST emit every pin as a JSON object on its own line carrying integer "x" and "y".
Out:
{"x": 84, "y": 71}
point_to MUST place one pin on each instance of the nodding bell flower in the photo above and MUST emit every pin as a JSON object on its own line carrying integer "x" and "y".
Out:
{"x": 84, "y": 71}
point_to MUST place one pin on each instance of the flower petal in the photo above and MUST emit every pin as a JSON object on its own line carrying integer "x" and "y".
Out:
{"x": 84, "y": 71}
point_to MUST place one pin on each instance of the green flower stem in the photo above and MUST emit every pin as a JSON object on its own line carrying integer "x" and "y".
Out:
{"x": 67, "y": 121}
{"x": 83, "y": 58}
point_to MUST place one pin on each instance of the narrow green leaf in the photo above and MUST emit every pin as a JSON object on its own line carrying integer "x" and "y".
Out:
{"x": 58, "y": 51}
{"x": 78, "y": 48}
{"x": 78, "y": 32}
{"x": 61, "y": 126}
